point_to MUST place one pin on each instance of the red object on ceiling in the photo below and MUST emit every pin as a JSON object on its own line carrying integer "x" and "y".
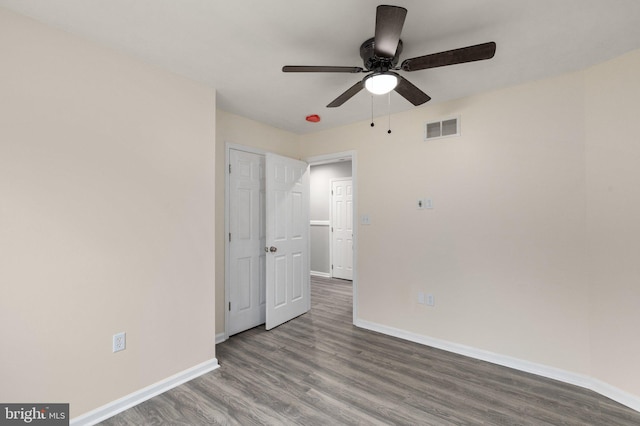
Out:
{"x": 313, "y": 118}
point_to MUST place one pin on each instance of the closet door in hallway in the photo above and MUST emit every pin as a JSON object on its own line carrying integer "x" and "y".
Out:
{"x": 342, "y": 229}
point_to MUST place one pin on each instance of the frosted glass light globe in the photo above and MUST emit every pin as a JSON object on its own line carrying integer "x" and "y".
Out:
{"x": 380, "y": 84}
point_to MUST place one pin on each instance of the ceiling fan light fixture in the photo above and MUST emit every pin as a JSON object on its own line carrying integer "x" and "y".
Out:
{"x": 381, "y": 54}
{"x": 381, "y": 83}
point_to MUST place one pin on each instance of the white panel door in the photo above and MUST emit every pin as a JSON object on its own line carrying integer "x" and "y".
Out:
{"x": 287, "y": 243}
{"x": 342, "y": 228}
{"x": 247, "y": 294}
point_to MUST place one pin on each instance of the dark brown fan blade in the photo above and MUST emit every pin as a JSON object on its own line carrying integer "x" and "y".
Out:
{"x": 346, "y": 95}
{"x": 389, "y": 22}
{"x": 410, "y": 92}
{"x": 451, "y": 57}
{"x": 312, "y": 68}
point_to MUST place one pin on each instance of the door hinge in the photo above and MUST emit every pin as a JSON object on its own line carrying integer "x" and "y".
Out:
{"x": 229, "y": 168}
{"x": 332, "y": 229}
{"x": 332, "y": 192}
{"x": 229, "y": 236}
{"x": 229, "y": 306}
{"x": 331, "y": 267}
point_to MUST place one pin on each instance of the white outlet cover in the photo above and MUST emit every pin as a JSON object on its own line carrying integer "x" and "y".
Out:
{"x": 428, "y": 203}
{"x": 119, "y": 342}
{"x": 421, "y": 298}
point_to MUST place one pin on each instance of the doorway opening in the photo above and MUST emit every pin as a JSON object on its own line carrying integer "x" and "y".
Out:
{"x": 331, "y": 213}
{"x": 245, "y": 219}
{"x": 337, "y": 169}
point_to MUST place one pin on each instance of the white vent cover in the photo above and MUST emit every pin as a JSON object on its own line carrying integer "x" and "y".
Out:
{"x": 442, "y": 129}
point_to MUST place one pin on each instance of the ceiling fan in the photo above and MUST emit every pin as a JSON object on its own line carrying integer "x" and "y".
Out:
{"x": 381, "y": 54}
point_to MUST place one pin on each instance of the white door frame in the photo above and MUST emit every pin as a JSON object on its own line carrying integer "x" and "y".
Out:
{"x": 336, "y": 158}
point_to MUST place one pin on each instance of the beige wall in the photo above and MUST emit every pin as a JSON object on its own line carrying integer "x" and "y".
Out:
{"x": 233, "y": 129}
{"x": 532, "y": 249}
{"x": 107, "y": 217}
{"x": 106, "y": 220}
{"x": 613, "y": 219}
{"x": 503, "y": 250}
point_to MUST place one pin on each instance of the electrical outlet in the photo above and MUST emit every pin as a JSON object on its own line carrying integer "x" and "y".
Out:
{"x": 119, "y": 342}
{"x": 421, "y": 298}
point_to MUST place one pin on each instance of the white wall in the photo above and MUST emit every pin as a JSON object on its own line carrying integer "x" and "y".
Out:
{"x": 106, "y": 220}
{"x": 320, "y": 184}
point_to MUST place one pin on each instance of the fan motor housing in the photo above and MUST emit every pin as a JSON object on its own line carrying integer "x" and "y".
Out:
{"x": 374, "y": 63}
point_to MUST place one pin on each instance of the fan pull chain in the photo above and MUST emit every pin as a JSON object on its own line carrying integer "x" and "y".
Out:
{"x": 389, "y": 131}
{"x": 372, "y": 111}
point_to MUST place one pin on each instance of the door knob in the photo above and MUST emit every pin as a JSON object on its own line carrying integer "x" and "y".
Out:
{"x": 273, "y": 249}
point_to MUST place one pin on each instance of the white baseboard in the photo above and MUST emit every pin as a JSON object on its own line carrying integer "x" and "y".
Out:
{"x": 135, "y": 398}
{"x": 611, "y": 392}
{"x": 220, "y": 337}
{"x": 320, "y": 274}
{"x": 624, "y": 398}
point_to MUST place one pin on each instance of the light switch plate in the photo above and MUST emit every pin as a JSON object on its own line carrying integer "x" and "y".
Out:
{"x": 428, "y": 203}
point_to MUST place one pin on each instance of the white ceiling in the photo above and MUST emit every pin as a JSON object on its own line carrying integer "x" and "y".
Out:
{"x": 239, "y": 47}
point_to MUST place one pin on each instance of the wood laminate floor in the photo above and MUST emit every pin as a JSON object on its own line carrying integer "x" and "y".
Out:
{"x": 321, "y": 370}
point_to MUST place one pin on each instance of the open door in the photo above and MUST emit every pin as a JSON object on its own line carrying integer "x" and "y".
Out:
{"x": 287, "y": 239}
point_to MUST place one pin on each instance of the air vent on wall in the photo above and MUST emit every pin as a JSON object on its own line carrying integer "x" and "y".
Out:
{"x": 442, "y": 129}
